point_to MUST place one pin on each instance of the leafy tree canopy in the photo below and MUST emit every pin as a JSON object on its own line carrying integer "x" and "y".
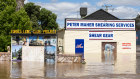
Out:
{"x": 41, "y": 17}
{"x": 11, "y": 19}
{"x": 5, "y": 3}
{"x": 30, "y": 17}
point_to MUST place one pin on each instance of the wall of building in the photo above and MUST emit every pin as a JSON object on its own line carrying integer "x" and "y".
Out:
{"x": 93, "y": 53}
{"x": 5, "y": 56}
{"x": 60, "y": 41}
{"x": 33, "y": 53}
{"x": 33, "y": 48}
{"x": 94, "y": 46}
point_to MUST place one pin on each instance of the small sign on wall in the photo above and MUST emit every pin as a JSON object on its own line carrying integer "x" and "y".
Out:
{"x": 101, "y": 35}
{"x": 126, "y": 45}
{"x": 79, "y": 46}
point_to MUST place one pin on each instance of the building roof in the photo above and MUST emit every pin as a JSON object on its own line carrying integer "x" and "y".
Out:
{"x": 101, "y": 15}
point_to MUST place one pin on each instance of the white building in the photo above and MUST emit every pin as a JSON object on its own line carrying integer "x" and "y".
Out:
{"x": 100, "y": 37}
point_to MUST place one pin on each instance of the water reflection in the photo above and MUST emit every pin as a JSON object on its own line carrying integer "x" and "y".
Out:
{"x": 69, "y": 69}
{"x": 32, "y": 69}
{"x": 138, "y": 65}
{"x": 44, "y": 70}
{"x": 16, "y": 69}
{"x": 50, "y": 70}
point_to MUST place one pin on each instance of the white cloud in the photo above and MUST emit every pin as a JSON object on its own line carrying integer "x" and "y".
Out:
{"x": 120, "y": 2}
{"x": 63, "y": 6}
{"x": 124, "y": 9}
{"x": 123, "y": 12}
{"x": 66, "y": 9}
{"x": 71, "y": 10}
{"x": 26, "y": 1}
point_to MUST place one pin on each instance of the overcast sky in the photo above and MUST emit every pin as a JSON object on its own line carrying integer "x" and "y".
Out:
{"x": 123, "y": 9}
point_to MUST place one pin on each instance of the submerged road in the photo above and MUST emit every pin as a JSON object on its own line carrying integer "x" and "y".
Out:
{"x": 37, "y": 70}
{"x": 40, "y": 70}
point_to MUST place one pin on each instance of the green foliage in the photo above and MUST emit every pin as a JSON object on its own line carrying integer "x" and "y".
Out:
{"x": 30, "y": 17}
{"x": 11, "y": 19}
{"x": 19, "y": 51}
{"x": 4, "y": 42}
{"x": 5, "y": 3}
{"x": 48, "y": 19}
{"x": 5, "y": 19}
{"x": 41, "y": 17}
{"x": 32, "y": 9}
{"x": 33, "y": 12}
{"x": 7, "y": 7}
{"x": 20, "y": 20}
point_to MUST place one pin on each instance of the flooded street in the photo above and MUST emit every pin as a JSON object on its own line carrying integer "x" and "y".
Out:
{"x": 41, "y": 70}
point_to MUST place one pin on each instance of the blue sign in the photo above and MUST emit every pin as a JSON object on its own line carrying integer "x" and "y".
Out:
{"x": 79, "y": 46}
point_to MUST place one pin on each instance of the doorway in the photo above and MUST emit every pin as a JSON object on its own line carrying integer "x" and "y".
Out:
{"x": 109, "y": 51}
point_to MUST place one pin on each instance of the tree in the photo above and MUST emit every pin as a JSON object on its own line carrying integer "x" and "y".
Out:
{"x": 20, "y": 20}
{"x": 48, "y": 19}
{"x": 137, "y": 20}
{"x": 5, "y": 3}
{"x": 33, "y": 12}
{"x": 10, "y": 19}
{"x": 41, "y": 17}
{"x": 4, "y": 42}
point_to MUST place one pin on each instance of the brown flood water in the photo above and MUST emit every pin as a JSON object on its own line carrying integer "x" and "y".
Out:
{"x": 40, "y": 70}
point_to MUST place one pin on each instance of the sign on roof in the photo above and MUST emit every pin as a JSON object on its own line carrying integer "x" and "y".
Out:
{"x": 33, "y": 31}
{"x": 100, "y": 24}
